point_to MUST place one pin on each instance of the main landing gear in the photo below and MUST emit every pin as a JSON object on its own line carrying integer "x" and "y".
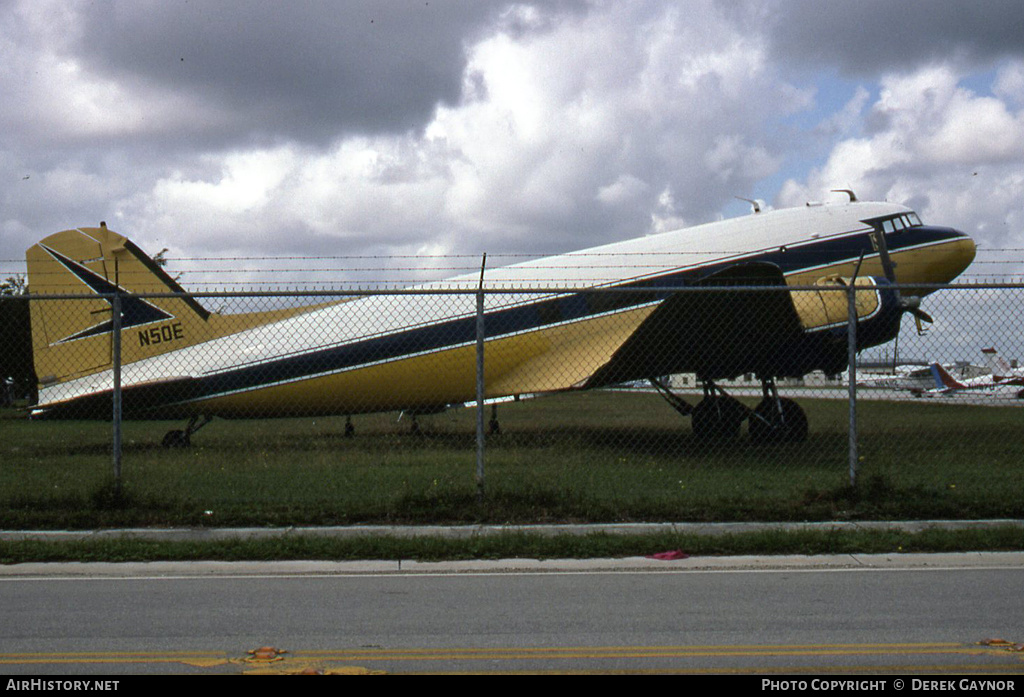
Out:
{"x": 777, "y": 419}
{"x": 719, "y": 416}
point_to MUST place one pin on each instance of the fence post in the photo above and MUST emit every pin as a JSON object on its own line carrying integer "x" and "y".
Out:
{"x": 115, "y": 329}
{"x": 480, "y": 383}
{"x": 851, "y": 356}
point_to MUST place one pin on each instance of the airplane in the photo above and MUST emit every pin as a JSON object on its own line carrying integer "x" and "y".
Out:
{"x": 1003, "y": 380}
{"x": 913, "y": 378}
{"x": 999, "y": 367}
{"x": 630, "y": 310}
{"x": 916, "y": 378}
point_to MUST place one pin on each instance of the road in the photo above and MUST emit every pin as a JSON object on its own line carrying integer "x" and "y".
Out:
{"x": 822, "y": 615}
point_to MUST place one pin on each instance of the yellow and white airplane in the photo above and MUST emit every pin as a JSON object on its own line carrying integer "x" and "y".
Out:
{"x": 626, "y": 311}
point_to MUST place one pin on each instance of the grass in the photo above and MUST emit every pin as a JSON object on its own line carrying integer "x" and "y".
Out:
{"x": 594, "y": 457}
{"x": 515, "y": 545}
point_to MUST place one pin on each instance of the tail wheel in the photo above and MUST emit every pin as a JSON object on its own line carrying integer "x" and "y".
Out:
{"x": 785, "y": 422}
{"x": 183, "y": 438}
{"x": 176, "y": 439}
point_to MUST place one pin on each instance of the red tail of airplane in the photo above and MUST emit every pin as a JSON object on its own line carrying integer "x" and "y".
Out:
{"x": 943, "y": 380}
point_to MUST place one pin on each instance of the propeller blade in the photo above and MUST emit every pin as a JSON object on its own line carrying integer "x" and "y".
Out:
{"x": 920, "y": 314}
{"x": 920, "y": 317}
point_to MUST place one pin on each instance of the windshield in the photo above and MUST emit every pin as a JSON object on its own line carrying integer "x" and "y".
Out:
{"x": 895, "y": 223}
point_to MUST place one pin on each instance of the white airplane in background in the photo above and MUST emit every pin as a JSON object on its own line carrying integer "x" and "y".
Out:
{"x": 918, "y": 378}
{"x": 913, "y": 378}
{"x": 1000, "y": 368}
{"x": 611, "y": 317}
{"x": 1003, "y": 379}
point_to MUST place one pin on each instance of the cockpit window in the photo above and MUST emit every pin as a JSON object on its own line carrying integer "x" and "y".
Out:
{"x": 895, "y": 223}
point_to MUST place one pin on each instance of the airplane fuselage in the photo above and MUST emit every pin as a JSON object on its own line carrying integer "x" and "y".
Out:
{"x": 582, "y": 319}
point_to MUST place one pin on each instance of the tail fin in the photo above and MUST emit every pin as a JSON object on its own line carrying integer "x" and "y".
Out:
{"x": 997, "y": 364}
{"x": 943, "y": 380}
{"x": 72, "y": 338}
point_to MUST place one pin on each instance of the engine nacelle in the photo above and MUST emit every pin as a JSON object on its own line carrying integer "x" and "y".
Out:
{"x": 876, "y": 303}
{"x": 825, "y": 315}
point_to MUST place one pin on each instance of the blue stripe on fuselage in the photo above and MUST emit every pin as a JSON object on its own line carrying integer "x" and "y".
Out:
{"x": 574, "y": 307}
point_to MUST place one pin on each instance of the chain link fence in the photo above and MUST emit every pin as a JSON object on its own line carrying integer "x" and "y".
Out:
{"x": 539, "y": 404}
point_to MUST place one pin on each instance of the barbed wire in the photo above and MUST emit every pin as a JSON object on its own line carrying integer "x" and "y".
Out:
{"x": 510, "y": 255}
{"x": 192, "y": 272}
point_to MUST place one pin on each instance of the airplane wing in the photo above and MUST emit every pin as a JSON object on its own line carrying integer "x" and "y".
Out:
{"x": 564, "y": 356}
{"x": 716, "y": 335}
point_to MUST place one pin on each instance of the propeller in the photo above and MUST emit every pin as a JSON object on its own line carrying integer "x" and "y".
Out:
{"x": 912, "y": 304}
{"x": 909, "y": 303}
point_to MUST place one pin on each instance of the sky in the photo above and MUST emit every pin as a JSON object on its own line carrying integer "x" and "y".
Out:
{"x": 384, "y": 134}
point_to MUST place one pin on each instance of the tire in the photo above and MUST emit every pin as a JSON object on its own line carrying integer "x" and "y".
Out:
{"x": 767, "y": 425}
{"x": 717, "y": 419}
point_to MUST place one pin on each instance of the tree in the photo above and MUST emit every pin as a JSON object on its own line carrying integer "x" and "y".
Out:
{"x": 161, "y": 259}
{"x": 14, "y": 285}
{"x": 17, "y": 374}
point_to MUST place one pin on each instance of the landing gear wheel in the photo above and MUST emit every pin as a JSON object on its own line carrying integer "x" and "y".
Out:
{"x": 176, "y": 439}
{"x": 785, "y": 423}
{"x": 717, "y": 419}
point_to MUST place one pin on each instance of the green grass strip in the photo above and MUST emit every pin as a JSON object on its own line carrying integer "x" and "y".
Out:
{"x": 509, "y": 545}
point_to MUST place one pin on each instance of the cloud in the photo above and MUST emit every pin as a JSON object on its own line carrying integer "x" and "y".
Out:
{"x": 569, "y": 133}
{"x": 938, "y": 146}
{"x": 321, "y": 128}
{"x": 870, "y": 36}
{"x": 589, "y": 114}
{"x": 1009, "y": 84}
{"x": 308, "y": 71}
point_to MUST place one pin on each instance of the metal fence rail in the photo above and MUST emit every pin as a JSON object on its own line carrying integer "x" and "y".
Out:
{"x": 632, "y": 383}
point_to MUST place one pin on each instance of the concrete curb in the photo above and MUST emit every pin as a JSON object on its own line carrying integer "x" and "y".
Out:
{"x": 630, "y": 564}
{"x": 737, "y": 564}
{"x": 470, "y": 531}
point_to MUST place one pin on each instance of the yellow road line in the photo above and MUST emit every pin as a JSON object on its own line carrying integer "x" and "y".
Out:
{"x": 957, "y": 669}
{"x": 99, "y": 657}
{"x": 516, "y": 653}
{"x": 642, "y": 651}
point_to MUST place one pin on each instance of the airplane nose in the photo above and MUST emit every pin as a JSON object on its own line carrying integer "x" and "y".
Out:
{"x": 966, "y": 251}
{"x": 949, "y": 254}
{"x": 958, "y": 253}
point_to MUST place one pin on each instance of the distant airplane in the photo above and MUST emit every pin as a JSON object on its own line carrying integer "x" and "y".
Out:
{"x": 913, "y": 378}
{"x": 612, "y": 319}
{"x": 1000, "y": 368}
{"x": 1003, "y": 380}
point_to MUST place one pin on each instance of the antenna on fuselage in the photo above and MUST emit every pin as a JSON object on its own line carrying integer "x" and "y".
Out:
{"x": 848, "y": 192}
{"x": 752, "y": 202}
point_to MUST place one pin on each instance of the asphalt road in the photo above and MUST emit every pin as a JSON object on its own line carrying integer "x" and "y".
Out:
{"x": 816, "y": 615}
